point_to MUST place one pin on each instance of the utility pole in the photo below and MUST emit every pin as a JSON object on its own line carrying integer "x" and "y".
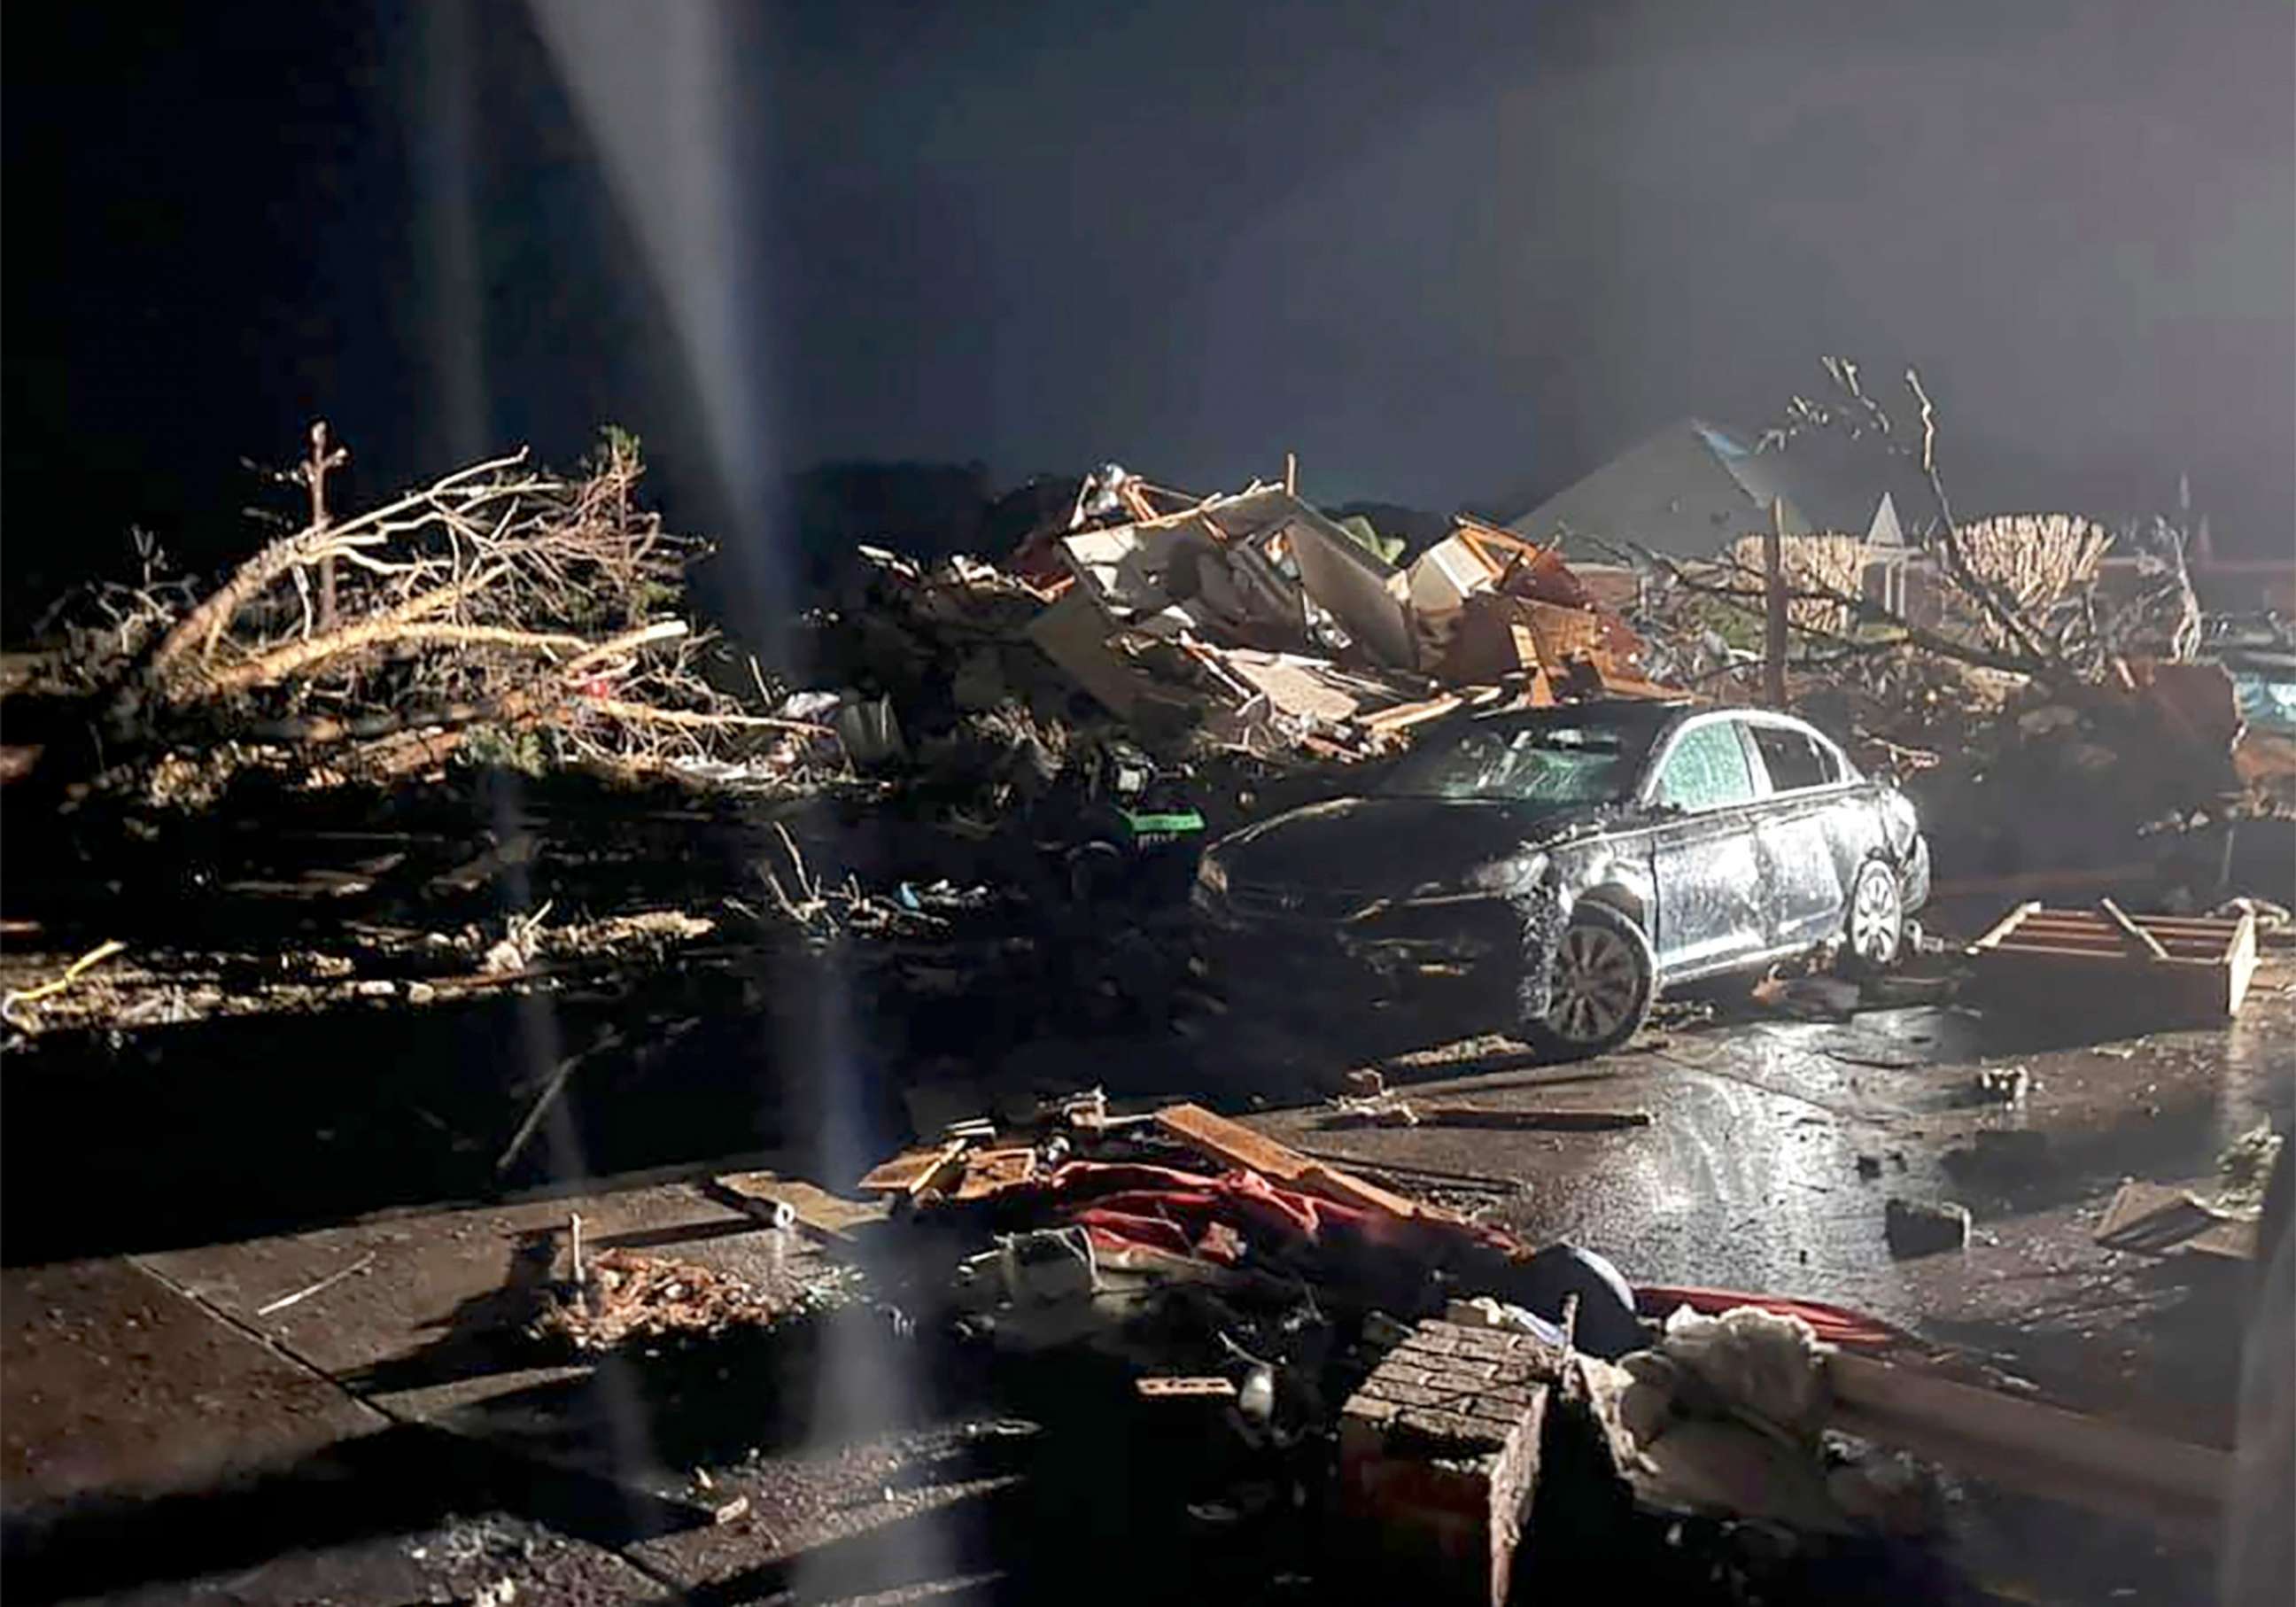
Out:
{"x": 1773, "y": 610}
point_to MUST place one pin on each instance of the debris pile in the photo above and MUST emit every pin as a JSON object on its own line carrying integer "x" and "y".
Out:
{"x": 1454, "y": 1402}
{"x": 1247, "y": 625}
{"x": 622, "y": 1297}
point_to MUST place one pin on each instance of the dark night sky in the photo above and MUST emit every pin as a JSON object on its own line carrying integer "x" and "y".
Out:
{"x": 1450, "y": 254}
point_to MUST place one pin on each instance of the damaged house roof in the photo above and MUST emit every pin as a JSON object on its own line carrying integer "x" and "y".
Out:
{"x": 1695, "y": 487}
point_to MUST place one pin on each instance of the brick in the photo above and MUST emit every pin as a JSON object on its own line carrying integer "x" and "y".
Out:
{"x": 1373, "y": 1410}
{"x": 1416, "y": 1395}
{"x": 1439, "y": 1461}
{"x": 1449, "y": 1427}
{"x": 1479, "y": 1342}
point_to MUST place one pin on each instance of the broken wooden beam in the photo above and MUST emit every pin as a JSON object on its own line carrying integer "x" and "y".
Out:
{"x": 2041, "y": 1450}
{"x": 1232, "y": 1143}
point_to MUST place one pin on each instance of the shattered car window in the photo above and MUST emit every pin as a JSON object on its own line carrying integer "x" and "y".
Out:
{"x": 1574, "y": 764}
{"x": 1707, "y": 770}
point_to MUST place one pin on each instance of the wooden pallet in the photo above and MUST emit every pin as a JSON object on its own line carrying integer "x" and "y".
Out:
{"x": 2187, "y": 968}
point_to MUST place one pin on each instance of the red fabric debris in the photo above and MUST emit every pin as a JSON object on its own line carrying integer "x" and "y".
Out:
{"x": 1210, "y": 1219}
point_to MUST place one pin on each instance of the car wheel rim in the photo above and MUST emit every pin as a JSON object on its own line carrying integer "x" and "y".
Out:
{"x": 1873, "y": 922}
{"x": 1595, "y": 981}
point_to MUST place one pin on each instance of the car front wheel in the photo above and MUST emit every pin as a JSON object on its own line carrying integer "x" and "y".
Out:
{"x": 1599, "y": 992}
{"x": 1875, "y": 934}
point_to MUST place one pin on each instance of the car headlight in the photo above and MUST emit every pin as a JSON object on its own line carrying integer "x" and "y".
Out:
{"x": 1211, "y": 877}
{"x": 1510, "y": 878}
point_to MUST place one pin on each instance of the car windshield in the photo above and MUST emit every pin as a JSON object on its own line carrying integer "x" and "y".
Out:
{"x": 1561, "y": 761}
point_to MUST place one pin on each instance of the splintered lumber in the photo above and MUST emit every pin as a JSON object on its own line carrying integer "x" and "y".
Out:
{"x": 2177, "y": 968}
{"x": 1232, "y": 1143}
{"x": 2042, "y": 1450}
{"x": 913, "y": 1171}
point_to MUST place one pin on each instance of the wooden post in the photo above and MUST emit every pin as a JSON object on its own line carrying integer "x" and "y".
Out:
{"x": 1773, "y": 609}
{"x": 314, "y": 475}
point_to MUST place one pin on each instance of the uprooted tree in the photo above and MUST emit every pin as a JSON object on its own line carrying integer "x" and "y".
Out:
{"x": 503, "y": 605}
{"x": 2017, "y": 593}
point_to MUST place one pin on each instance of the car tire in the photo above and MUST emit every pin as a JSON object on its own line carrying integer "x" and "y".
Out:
{"x": 1600, "y": 992}
{"x": 1873, "y": 927}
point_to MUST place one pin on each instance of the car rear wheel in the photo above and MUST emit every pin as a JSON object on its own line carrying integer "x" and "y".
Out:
{"x": 1600, "y": 990}
{"x": 1874, "y": 932}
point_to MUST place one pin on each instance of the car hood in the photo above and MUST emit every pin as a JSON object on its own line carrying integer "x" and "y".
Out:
{"x": 1390, "y": 846}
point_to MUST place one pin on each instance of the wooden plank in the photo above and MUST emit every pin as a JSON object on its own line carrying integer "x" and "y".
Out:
{"x": 2033, "y": 915}
{"x": 2097, "y": 956}
{"x": 2043, "y": 1450}
{"x": 2007, "y": 923}
{"x": 2165, "y": 925}
{"x": 824, "y": 1214}
{"x": 2108, "y": 942}
{"x": 1232, "y": 1143}
{"x": 2211, "y": 944}
{"x": 1509, "y": 1117}
{"x": 2239, "y": 964}
{"x": 2103, "y": 947}
{"x": 2139, "y": 940}
{"x": 988, "y": 1172}
{"x": 913, "y": 1171}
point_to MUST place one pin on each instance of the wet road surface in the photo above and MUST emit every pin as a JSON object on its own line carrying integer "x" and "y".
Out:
{"x": 168, "y": 1438}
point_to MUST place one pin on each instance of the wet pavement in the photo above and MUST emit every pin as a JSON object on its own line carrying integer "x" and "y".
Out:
{"x": 1749, "y": 1176}
{"x": 388, "y": 1438}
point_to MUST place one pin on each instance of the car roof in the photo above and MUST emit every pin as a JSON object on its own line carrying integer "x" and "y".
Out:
{"x": 1624, "y": 711}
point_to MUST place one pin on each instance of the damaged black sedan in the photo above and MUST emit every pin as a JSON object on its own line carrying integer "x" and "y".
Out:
{"x": 1548, "y": 871}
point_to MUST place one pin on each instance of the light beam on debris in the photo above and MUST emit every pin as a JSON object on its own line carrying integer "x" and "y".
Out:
{"x": 658, "y": 90}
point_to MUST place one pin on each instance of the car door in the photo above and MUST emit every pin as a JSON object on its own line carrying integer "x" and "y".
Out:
{"x": 1708, "y": 875}
{"x": 1794, "y": 833}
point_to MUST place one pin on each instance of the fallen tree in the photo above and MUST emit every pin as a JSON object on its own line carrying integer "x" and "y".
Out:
{"x": 540, "y": 612}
